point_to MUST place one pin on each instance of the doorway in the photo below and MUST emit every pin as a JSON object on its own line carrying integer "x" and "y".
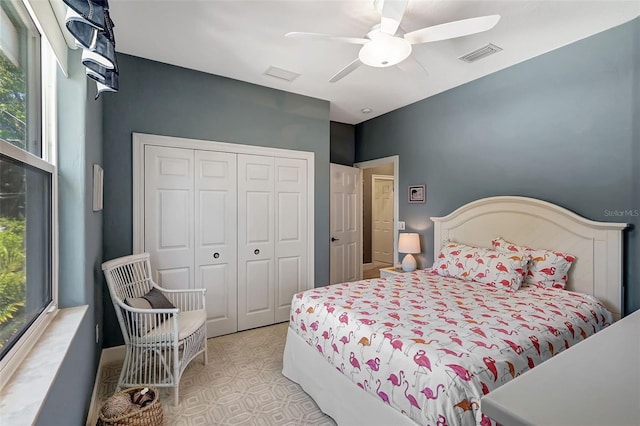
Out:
{"x": 381, "y": 220}
{"x": 379, "y": 214}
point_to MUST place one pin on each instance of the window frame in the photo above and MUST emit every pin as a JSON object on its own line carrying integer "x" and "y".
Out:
{"x": 47, "y": 117}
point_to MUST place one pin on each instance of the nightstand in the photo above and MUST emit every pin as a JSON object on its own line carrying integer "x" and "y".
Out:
{"x": 391, "y": 272}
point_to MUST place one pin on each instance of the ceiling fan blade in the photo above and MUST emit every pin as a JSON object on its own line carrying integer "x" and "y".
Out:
{"x": 327, "y": 37}
{"x": 392, "y": 13}
{"x": 346, "y": 70}
{"x": 452, "y": 29}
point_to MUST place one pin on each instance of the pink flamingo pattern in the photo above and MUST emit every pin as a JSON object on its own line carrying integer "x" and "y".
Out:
{"x": 412, "y": 399}
{"x": 440, "y": 342}
{"x": 430, "y": 394}
{"x": 374, "y": 363}
{"x": 396, "y": 381}
{"x": 422, "y": 360}
{"x": 383, "y": 396}
{"x": 492, "y": 267}
{"x": 547, "y": 268}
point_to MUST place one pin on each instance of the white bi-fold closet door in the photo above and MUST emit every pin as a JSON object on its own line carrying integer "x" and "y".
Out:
{"x": 272, "y": 223}
{"x": 236, "y": 224}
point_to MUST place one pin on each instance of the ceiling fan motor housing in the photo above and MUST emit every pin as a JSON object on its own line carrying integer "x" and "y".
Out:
{"x": 384, "y": 50}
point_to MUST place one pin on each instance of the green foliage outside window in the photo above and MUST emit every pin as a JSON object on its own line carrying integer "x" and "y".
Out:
{"x": 13, "y": 104}
{"x": 13, "y": 92}
{"x": 12, "y": 277}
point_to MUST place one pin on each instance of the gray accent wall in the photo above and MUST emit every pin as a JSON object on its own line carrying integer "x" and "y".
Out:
{"x": 343, "y": 143}
{"x": 163, "y": 99}
{"x": 562, "y": 127}
{"x": 80, "y": 244}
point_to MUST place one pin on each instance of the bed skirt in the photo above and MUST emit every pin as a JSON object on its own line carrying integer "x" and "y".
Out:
{"x": 336, "y": 395}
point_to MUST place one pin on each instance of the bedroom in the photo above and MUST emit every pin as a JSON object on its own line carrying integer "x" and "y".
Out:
{"x": 568, "y": 95}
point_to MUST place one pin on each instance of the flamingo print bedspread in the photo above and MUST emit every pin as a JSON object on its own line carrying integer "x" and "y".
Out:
{"x": 432, "y": 346}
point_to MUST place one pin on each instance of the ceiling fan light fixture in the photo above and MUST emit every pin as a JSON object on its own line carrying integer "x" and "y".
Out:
{"x": 384, "y": 51}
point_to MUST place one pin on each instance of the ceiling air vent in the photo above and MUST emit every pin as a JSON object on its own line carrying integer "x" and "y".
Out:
{"x": 281, "y": 74}
{"x": 478, "y": 54}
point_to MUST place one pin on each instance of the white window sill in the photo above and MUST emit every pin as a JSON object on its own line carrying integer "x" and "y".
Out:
{"x": 23, "y": 396}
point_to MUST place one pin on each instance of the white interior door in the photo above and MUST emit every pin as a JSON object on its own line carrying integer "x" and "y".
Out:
{"x": 168, "y": 215}
{"x": 291, "y": 230}
{"x": 256, "y": 285}
{"x": 345, "y": 224}
{"x": 382, "y": 219}
{"x": 216, "y": 238}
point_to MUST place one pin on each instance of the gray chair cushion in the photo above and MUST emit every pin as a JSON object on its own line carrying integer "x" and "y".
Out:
{"x": 154, "y": 299}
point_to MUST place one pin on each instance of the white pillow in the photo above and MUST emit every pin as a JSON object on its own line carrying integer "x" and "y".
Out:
{"x": 483, "y": 265}
{"x": 547, "y": 268}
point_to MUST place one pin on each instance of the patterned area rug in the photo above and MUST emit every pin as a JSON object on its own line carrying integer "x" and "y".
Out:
{"x": 241, "y": 385}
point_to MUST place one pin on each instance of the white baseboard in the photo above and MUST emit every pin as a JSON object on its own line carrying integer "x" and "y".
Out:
{"x": 107, "y": 356}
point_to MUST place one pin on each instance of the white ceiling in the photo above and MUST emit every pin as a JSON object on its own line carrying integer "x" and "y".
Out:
{"x": 240, "y": 39}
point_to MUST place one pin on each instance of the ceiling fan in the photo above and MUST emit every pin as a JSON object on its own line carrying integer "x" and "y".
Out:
{"x": 383, "y": 46}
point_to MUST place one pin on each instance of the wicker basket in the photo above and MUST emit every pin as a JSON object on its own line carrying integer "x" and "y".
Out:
{"x": 151, "y": 415}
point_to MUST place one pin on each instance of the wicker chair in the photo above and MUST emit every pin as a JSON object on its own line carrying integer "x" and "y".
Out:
{"x": 159, "y": 342}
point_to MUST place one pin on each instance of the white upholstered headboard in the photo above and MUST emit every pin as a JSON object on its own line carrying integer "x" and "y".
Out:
{"x": 597, "y": 246}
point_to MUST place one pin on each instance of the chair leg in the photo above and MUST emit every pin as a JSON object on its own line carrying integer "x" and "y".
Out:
{"x": 176, "y": 373}
{"x": 126, "y": 366}
{"x": 205, "y": 356}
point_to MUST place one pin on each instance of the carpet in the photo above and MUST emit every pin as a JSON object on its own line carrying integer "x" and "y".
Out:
{"x": 241, "y": 385}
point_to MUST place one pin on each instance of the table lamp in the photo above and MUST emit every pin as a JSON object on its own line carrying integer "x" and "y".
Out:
{"x": 409, "y": 243}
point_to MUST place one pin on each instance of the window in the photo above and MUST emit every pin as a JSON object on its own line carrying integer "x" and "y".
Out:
{"x": 27, "y": 190}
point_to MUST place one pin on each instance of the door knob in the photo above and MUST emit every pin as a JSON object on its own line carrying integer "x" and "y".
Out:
{"x": 216, "y": 255}
{"x": 256, "y": 251}
{"x": 334, "y": 239}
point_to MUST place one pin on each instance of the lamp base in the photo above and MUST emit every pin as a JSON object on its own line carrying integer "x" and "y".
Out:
{"x": 409, "y": 263}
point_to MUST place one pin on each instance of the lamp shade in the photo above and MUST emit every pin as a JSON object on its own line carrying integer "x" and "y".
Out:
{"x": 409, "y": 243}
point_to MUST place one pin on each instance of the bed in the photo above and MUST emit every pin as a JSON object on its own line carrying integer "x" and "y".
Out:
{"x": 424, "y": 347}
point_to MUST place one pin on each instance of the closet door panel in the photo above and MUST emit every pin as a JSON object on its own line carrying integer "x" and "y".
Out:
{"x": 258, "y": 297}
{"x": 255, "y": 241}
{"x": 288, "y": 273}
{"x": 168, "y": 215}
{"x": 215, "y": 238}
{"x": 259, "y": 229}
{"x": 291, "y": 233}
{"x": 172, "y": 278}
{"x": 221, "y": 314}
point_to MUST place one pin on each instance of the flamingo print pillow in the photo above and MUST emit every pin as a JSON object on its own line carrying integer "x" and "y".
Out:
{"x": 486, "y": 266}
{"x": 547, "y": 268}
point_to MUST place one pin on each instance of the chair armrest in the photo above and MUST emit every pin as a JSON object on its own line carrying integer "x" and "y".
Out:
{"x": 185, "y": 299}
{"x": 185, "y": 290}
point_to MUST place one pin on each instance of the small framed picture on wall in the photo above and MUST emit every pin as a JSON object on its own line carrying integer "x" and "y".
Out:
{"x": 417, "y": 193}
